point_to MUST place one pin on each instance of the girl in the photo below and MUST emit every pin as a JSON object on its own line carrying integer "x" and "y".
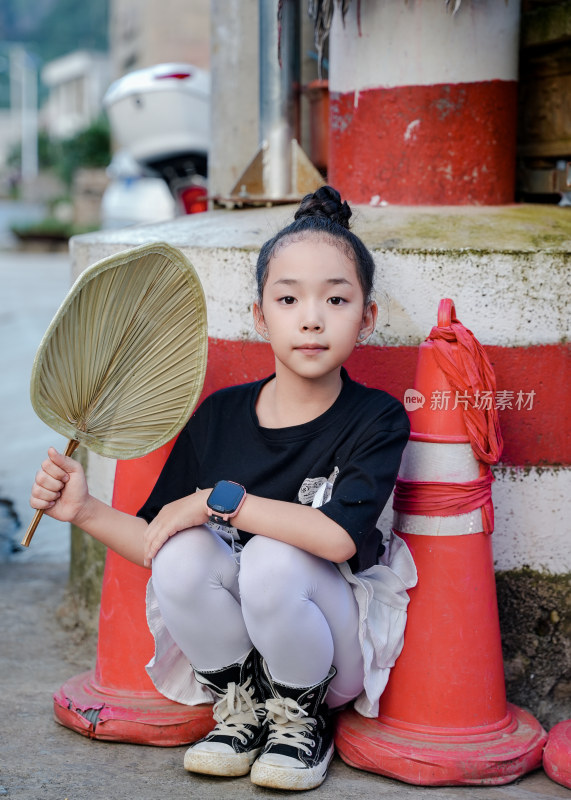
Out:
{"x": 265, "y": 509}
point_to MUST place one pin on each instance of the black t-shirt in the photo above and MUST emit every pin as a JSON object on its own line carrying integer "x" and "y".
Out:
{"x": 356, "y": 445}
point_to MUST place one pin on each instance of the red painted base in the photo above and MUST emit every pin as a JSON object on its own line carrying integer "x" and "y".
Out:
{"x": 557, "y": 754}
{"x": 442, "y": 757}
{"x": 135, "y": 717}
{"x": 448, "y": 144}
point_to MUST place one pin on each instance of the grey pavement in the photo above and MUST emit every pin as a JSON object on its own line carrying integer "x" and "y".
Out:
{"x": 39, "y": 759}
{"x": 33, "y": 286}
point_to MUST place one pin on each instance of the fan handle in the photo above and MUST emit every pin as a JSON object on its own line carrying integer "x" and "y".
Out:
{"x": 71, "y": 447}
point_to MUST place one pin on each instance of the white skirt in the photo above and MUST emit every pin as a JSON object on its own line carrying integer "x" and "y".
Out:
{"x": 381, "y": 593}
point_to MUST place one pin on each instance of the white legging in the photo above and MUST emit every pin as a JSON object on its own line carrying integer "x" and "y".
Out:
{"x": 295, "y": 608}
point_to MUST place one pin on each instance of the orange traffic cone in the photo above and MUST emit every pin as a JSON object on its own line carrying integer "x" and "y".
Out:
{"x": 117, "y": 701}
{"x": 557, "y": 753}
{"x": 443, "y": 718}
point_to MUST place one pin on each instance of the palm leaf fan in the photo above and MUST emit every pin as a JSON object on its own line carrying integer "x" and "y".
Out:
{"x": 122, "y": 364}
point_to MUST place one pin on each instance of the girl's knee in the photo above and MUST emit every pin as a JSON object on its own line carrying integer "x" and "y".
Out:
{"x": 265, "y": 557}
{"x": 269, "y": 572}
{"x": 183, "y": 562}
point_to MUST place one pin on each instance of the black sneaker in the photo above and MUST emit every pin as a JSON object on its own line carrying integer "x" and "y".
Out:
{"x": 300, "y": 739}
{"x": 241, "y": 730}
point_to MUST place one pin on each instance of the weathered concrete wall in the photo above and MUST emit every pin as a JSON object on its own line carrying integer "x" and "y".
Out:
{"x": 535, "y": 619}
{"x": 506, "y": 270}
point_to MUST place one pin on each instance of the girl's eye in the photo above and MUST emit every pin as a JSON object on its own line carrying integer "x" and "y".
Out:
{"x": 336, "y": 301}
{"x": 287, "y": 301}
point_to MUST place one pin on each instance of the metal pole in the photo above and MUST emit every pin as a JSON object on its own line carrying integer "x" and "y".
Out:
{"x": 278, "y": 93}
{"x": 15, "y": 80}
{"x": 29, "y": 114}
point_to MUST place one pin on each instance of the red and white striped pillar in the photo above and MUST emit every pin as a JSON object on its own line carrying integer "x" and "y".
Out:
{"x": 423, "y": 102}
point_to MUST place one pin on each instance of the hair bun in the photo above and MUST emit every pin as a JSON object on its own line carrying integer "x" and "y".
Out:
{"x": 325, "y": 202}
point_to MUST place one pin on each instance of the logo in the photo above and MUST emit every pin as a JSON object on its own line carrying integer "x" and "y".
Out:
{"x": 413, "y": 400}
{"x": 309, "y": 489}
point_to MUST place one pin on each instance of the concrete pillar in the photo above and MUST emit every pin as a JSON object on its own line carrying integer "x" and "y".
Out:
{"x": 235, "y": 90}
{"x": 423, "y": 102}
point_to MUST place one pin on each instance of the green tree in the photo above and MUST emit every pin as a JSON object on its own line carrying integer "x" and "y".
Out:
{"x": 49, "y": 29}
{"x": 70, "y": 25}
{"x": 47, "y": 153}
{"x": 89, "y": 148}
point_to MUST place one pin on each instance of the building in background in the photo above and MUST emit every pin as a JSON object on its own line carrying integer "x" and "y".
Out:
{"x": 147, "y": 32}
{"x": 76, "y": 84}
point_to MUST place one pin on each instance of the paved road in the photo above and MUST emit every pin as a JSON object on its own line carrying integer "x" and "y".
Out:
{"x": 42, "y": 761}
{"x": 32, "y": 288}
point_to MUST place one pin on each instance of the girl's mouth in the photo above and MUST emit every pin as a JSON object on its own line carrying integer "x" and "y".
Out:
{"x": 311, "y": 348}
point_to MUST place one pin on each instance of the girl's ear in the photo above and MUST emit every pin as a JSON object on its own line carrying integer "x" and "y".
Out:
{"x": 369, "y": 321}
{"x": 259, "y": 322}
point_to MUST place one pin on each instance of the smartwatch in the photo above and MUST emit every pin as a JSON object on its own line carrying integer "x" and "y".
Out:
{"x": 224, "y": 501}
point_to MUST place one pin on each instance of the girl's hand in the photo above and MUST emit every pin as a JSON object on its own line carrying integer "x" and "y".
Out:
{"x": 60, "y": 488}
{"x": 188, "y": 512}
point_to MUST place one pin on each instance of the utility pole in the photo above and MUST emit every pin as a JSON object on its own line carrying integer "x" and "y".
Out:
{"x": 24, "y": 100}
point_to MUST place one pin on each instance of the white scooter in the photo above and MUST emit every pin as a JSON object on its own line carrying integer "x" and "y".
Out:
{"x": 160, "y": 122}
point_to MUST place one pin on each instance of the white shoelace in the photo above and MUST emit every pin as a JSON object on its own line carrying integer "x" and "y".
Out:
{"x": 235, "y": 709}
{"x": 287, "y": 725}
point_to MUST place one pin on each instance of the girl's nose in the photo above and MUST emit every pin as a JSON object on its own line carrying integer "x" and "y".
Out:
{"x": 311, "y": 318}
{"x": 312, "y": 325}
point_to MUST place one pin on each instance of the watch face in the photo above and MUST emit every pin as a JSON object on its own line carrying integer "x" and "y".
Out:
{"x": 225, "y": 497}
